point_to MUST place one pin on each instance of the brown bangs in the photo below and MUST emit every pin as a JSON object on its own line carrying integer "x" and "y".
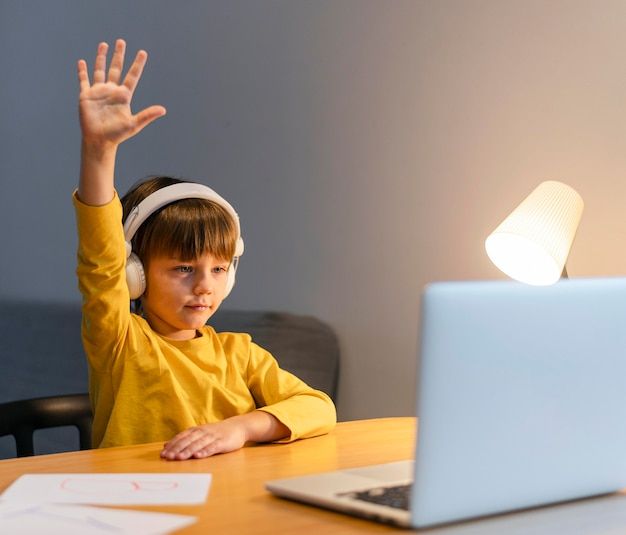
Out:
{"x": 187, "y": 229}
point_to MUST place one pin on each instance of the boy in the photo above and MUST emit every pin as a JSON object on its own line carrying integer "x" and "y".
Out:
{"x": 165, "y": 375}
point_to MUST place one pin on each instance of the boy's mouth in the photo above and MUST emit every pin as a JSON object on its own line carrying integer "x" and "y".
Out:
{"x": 198, "y": 307}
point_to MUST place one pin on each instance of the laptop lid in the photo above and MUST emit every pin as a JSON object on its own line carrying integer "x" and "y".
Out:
{"x": 522, "y": 396}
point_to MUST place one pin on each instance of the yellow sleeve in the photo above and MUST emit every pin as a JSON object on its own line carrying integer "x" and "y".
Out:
{"x": 305, "y": 411}
{"x": 102, "y": 280}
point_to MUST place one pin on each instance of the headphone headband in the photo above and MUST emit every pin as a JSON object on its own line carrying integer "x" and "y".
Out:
{"x": 173, "y": 193}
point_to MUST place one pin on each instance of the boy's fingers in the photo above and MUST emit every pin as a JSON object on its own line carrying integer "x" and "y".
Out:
{"x": 117, "y": 62}
{"x": 134, "y": 73}
{"x": 203, "y": 442}
{"x": 179, "y": 442}
{"x": 188, "y": 442}
{"x": 145, "y": 117}
{"x": 83, "y": 76}
{"x": 100, "y": 64}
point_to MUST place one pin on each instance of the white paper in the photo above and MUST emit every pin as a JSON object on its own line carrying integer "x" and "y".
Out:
{"x": 18, "y": 518}
{"x": 111, "y": 489}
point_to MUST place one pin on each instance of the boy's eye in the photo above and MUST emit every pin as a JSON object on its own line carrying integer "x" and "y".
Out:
{"x": 184, "y": 269}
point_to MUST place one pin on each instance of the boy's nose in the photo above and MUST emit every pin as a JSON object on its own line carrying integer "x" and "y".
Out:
{"x": 203, "y": 283}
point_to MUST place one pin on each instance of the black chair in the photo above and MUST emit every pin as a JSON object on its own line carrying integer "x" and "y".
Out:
{"x": 23, "y": 417}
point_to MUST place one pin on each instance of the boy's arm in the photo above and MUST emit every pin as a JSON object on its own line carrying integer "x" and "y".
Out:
{"x": 106, "y": 119}
{"x": 222, "y": 437}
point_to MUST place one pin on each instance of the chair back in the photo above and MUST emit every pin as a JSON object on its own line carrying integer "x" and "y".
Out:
{"x": 23, "y": 417}
{"x": 303, "y": 345}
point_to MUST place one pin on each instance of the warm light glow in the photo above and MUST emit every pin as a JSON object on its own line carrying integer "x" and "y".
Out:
{"x": 532, "y": 244}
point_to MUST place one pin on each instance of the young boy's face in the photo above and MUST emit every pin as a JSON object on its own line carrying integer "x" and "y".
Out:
{"x": 181, "y": 296}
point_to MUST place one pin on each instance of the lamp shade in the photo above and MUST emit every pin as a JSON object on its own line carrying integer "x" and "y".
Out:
{"x": 532, "y": 244}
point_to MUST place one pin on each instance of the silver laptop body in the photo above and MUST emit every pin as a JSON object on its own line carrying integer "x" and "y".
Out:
{"x": 521, "y": 403}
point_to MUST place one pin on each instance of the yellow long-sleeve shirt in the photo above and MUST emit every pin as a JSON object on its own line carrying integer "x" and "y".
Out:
{"x": 147, "y": 388}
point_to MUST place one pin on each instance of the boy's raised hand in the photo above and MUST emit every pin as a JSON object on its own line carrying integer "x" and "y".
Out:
{"x": 104, "y": 104}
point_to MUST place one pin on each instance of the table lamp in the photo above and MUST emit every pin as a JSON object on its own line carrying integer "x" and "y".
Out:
{"x": 532, "y": 244}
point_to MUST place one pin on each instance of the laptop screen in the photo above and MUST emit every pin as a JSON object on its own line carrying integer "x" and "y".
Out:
{"x": 522, "y": 396}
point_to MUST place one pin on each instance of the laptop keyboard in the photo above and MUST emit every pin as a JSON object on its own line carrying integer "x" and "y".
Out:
{"x": 396, "y": 497}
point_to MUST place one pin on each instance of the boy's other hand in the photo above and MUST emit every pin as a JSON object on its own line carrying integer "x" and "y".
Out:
{"x": 104, "y": 104}
{"x": 206, "y": 440}
{"x": 222, "y": 437}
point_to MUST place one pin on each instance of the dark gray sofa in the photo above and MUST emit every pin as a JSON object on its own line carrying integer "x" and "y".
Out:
{"x": 41, "y": 355}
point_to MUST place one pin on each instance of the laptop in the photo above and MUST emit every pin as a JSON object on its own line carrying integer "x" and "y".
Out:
{"x": 521, "y": 403}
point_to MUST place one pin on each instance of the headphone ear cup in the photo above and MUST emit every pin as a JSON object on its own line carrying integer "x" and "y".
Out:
{"x": 230, "y": 281}
{"x": 135, "y": 276}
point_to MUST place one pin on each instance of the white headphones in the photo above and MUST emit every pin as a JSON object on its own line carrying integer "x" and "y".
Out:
{"x": 135, "y": 274}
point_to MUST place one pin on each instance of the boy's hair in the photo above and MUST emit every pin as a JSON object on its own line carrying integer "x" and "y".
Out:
{"x": 183, "y": 229}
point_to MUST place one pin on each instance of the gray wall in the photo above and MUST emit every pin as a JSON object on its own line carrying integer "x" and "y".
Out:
{"x": 368, "y": 146}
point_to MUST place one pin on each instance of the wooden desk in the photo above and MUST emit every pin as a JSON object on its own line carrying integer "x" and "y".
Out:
{"x": 238, "y": 503}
